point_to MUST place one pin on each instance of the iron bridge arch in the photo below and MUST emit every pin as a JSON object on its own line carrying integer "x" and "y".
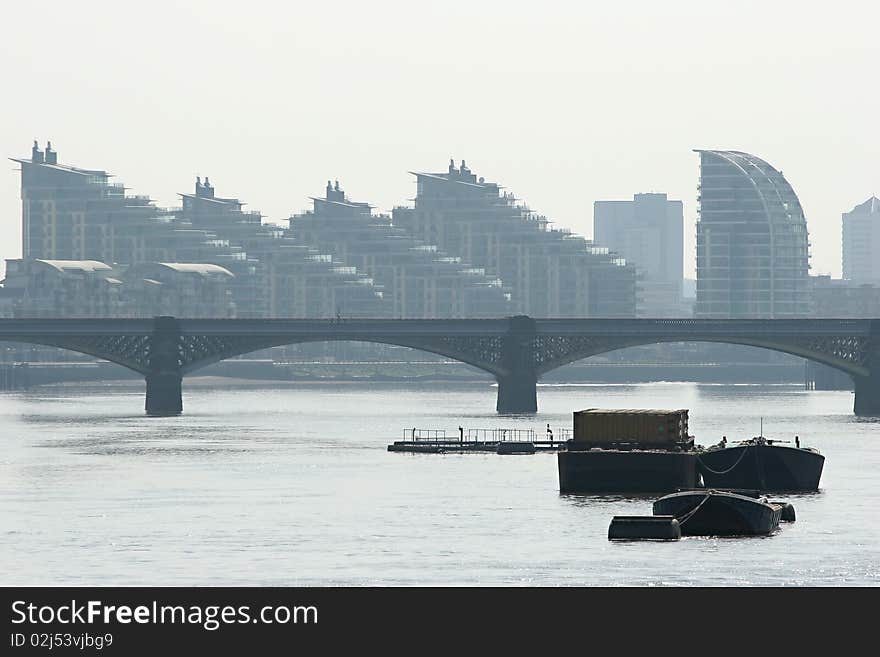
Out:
{"x": 517, "y": 351}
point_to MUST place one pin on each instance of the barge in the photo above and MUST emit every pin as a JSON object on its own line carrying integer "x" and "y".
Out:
{"x": 497, "y": 441}
{"x": 628, "y": 451}
{"x": 702, "y": 512}
{"x": 761, "y": 464}
{"x": 722, "y": 513}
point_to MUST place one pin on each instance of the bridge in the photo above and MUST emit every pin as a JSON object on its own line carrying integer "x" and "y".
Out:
{"x": 517, "y": 351}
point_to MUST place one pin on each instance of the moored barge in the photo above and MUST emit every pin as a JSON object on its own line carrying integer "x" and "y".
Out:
{"x": 721, "y": 513}
{"x": 628, "y": 451}
{"x": 760, "y": 464}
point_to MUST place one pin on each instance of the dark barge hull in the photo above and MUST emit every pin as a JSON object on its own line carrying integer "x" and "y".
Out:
{"x": 625, "y": 471}
{"x": 717, "y": 513}
{"x": 762, "y": 467}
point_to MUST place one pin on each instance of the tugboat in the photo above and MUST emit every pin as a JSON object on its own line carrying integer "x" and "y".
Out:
{"x": 722, "y": 513}
{"x": 761, "y": 464}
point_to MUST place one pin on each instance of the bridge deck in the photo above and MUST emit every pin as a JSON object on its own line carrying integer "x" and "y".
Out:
{"x": 10, "y": 328}
{"x": 516, "y": 350}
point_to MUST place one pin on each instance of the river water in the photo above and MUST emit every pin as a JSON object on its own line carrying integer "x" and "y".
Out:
{"x": 292, "y": 485}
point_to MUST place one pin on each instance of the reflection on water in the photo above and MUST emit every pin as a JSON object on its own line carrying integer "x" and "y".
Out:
{"x": 292, "y": 484}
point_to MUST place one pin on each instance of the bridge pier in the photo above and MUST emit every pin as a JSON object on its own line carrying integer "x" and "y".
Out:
{"x": 517, "y": 393}
{"x": 867, "y": 398}
{"x": 164, "y": 378}
{"x": 164, "y": 395}
{"x": 517, "y": 382}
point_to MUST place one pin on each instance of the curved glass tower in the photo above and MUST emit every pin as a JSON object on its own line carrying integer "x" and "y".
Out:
{"x": 752, "y": 245}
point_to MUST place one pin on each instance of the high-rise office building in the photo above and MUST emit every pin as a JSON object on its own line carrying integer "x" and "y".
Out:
{"x": 861, "y": 242}
{"x": 752, "y": 244}
{"x": 649, "y": 232}
{"x": 418, "y": 280}
{"x": 551, "y": 273}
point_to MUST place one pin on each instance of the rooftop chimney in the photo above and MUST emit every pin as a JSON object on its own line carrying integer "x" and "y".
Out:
{"x": 51, "y": 156}
{"x": 334, "y": 193}
{"x": 36, "y": 154}
{"x": 466, "y": 174}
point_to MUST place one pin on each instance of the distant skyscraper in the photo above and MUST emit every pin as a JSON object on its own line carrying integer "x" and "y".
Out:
{"x": 752, "y": 245}
{"x": 551, "y": 273}
{"x": 649, "y": 232}
{"x": 861, "y": 242}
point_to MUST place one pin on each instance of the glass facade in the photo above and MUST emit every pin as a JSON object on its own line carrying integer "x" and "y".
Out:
{"x": 752, "y": 244}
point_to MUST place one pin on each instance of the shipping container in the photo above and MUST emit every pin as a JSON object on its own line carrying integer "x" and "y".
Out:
{"x": 651, "y": 428}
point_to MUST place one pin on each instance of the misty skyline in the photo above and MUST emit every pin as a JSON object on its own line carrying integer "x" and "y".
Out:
{"x": 563, "y": 105}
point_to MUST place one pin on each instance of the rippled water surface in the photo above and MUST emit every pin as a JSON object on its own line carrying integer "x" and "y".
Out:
{"x": 293, "y": 485}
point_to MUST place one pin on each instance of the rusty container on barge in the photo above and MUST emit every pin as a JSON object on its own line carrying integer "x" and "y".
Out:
{"x": 628, "y": 450}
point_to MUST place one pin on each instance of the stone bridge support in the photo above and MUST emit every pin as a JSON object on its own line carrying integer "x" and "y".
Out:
{"x": 518, "y": 378}
{"x": 867, "y": 397}
{"x": 165, "y": 374}
{"x": 516, "y": 351}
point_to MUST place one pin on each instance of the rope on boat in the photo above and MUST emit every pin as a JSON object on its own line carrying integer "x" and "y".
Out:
{"x": 690, "y": 513}
{"x": 721, "y": 472}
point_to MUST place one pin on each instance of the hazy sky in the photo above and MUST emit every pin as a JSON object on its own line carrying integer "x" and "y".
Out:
{"x": 562, "y": 103}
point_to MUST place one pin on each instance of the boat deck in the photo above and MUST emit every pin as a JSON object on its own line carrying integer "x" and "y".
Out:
{"x": 500, "y": 440}
{"x": 465, "y": 446}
